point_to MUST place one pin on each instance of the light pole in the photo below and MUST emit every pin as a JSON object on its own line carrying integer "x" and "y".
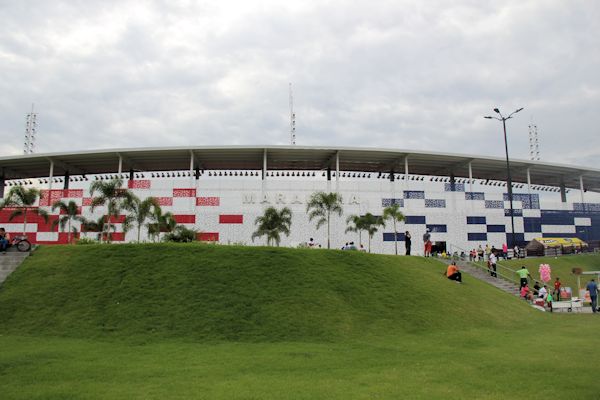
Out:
{"x": 509, "y": 179}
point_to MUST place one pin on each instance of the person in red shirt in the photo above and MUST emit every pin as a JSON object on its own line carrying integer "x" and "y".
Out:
{"x": 557, "y": 285}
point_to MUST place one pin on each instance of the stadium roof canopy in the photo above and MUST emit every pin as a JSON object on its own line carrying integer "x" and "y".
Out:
{"x": 296, "y": 158}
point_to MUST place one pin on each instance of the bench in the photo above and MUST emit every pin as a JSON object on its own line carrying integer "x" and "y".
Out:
{"x": 568, "y": 305}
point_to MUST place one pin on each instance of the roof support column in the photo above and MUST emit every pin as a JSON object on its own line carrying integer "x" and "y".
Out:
{"x": 563, "y": 192}
{"x": 406, "y": 173}
{"x": 264, "y": 169}
{"x": 192, "y": 161}
{"x": 528, "y": 182}
{"x": 120, "y": 165}
{"x": 581, "y": 189}
{"x": 337, "y": 171}
{"x": 470, "y": 177}
{"x": 51, "y": 175}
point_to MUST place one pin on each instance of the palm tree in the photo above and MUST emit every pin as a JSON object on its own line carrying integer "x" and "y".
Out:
{"x": 357, "y": 226}
{"x": 141, "y": 211}
{"x": 110, "y": 194}
{"x": 393, "y": 212}
{"x": 320, "y": 206}
{"x": 272, "y": 223}
{"x": 371, "y": 223}
{"x": 69, "y": 212}
{"x": 22, "y": 200}
{"x": 160, "y": 223}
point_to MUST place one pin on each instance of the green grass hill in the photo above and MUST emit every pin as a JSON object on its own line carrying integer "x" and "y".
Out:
{"x": 214, "y": 293}
{"x": 196, "y": 321}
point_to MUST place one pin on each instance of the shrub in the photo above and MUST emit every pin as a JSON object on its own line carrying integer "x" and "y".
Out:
{"x": 86, "y": 240}
{"x": 180, "y": 234}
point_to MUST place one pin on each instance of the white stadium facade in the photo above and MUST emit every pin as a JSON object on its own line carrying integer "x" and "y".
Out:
{"x": 219, "y": 191}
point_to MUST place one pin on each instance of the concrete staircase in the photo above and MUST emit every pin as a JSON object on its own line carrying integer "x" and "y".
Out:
{"x": 482, "y": 275}
{"x": 9, "y": 262}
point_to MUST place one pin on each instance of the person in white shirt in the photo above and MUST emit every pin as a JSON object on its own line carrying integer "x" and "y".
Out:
{"x": 493, "y": 260}
{"x": 543, "y": 292}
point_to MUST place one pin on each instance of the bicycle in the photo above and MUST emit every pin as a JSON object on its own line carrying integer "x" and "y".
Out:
{"x": 21, "y": 243}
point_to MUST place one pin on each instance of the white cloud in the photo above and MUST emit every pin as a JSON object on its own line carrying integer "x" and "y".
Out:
{"x": 402, "y": 74}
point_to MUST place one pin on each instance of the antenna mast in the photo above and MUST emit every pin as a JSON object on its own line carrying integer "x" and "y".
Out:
{"x": 534, "y": 146}
{"x": 30, "y": 129}
{"x": 292, "y": 118}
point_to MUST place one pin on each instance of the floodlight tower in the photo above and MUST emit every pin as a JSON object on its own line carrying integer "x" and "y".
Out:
{"x": 292, "y": 118}
{"x": 30, "y": 130}
{"x": 534, "y": 146}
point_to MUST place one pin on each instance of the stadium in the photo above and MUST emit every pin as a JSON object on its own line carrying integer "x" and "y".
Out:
{"x": 219, "y": 192}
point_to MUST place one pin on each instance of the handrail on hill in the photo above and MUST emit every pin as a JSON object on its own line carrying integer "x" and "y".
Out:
{"x": 511, "y": 278}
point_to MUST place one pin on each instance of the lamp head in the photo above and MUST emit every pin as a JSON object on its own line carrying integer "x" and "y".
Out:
{"x": 496, "y": 110}
{"x": 518, "y": 110}
{"x": 488, "y": 117}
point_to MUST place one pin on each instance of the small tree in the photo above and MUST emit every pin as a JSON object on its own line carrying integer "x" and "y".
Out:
{"x": 371, "y": 224}
{"x": 109, "y": 194}
{"x": 320, "y": 206}
{"x": 272, "y": 223}
{"x": 160, "y": 223}
{"x": 70, "y": 212}
{"x": 393, "y": 212}
{"x": 22, "y": 200}
{"x": 355, "y": 224}
{"x": 141, "y": 210}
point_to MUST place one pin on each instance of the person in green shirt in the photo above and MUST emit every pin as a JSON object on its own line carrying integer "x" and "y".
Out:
{"x": 523, "y": 274}
{"x": 549, "y": 301}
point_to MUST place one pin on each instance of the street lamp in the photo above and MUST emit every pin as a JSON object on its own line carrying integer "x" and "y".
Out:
{"x": 509, "y": 180}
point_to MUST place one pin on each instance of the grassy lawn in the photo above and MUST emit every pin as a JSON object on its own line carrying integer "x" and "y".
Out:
{"x": 480, "y": 363}
{"x": 211, "y": 322}
{"x": 561, "y": 267}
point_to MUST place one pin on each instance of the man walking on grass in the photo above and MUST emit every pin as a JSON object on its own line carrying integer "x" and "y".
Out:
{"x": 592, "y": 287}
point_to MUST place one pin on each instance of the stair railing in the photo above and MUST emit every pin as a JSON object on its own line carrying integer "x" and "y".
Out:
{"x": 502, "y": 271}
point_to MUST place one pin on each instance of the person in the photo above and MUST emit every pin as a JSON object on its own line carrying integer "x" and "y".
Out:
{"x": 427, "y": 243}
{"x": 523, "y": 274}
{"x": 453, "y": 273}
{"x": 345, "y": 247}
{"x": 536, "y": 288}
{"x": 493, "y": 260}
{"x": 351, "y": 246}
{"x": 592, "y": 287}
{"x": 479, "y": 253}
{"x": 543, "y": 292}
{"x": 516, "y": 252}
{"x": 362, "y": 248}
{"x": 473, "y": 255}
{"x": 557, "y": 285}
{"x": 504, "y": 251}
{"x": 4, "y": 240}
{"x": 407, "y": 242}
{"x": 549, "y": 300}
{"x": 488, "y": 251}
{"x": 311, "y": 243}
{"x": 526, "y": 293}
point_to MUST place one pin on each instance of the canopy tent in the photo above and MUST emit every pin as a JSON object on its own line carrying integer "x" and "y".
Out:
{"x": 554, "y": 246}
